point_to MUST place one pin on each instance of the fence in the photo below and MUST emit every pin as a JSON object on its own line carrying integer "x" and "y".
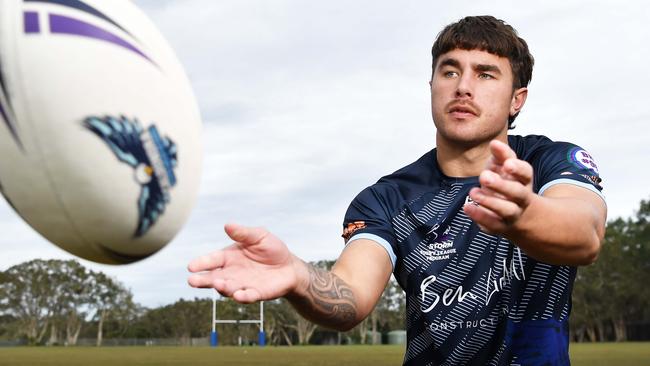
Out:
{"x": 112, "y": 342}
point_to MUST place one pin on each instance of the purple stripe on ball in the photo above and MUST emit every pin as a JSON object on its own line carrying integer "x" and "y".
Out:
{"x": 31, "y": 22}
{"x": 81, "y": 6}
{"x": 65, "y": 25}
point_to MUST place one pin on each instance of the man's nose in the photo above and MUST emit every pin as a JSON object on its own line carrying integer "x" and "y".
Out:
{"x": 465, "y": 86}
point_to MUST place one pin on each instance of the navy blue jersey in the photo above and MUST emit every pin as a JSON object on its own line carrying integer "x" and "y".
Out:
{"x": 472, "y": 298}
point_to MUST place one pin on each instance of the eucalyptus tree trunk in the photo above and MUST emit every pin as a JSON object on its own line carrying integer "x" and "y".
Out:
{"x": 286, "y": 336}
{"x": 363, "y": 331}
{"x": 591, "y": 333}
{"x": 373, "y": 320}
{"x": 54, "y": 335}
{"x": 100, "y": 327}
{"x": 620, "y": 330}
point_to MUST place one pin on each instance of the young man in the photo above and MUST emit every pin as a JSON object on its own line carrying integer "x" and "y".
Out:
{"x": 483, "y": 233}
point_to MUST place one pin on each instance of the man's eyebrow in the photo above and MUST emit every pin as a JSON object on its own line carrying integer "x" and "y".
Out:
{"x": 449, "y": 62}
{"x": 487, "y": 67}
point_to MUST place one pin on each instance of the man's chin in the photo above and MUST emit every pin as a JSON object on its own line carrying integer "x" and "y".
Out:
{"x": 465, "y": 139}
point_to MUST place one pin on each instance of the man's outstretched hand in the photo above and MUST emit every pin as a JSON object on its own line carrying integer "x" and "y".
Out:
{"x": 257, "y": 266}
{"x": 505, "y": 191}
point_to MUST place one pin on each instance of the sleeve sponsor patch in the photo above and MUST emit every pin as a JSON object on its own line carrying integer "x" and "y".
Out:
{"x": 351, "y": 228}
{"x": 582, "y": 159}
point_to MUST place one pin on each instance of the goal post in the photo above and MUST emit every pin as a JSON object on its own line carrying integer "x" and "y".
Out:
{"x": 214, "y": 337}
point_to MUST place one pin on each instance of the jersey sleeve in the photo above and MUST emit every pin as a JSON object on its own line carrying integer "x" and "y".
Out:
{"x": 368, "y": 217}
{"x": 566, "y": 163}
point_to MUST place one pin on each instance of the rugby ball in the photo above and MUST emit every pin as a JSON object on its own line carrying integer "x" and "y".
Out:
{"x": 100, "y": 134}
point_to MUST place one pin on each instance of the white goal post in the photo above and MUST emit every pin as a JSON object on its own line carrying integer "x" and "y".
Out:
{"x": 214, "y": 338}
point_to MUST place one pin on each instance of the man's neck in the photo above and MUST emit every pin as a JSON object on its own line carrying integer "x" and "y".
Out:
{"x": 463, "y": 160}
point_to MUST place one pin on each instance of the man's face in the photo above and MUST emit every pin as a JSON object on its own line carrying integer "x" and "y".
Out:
{"x": 472, "y": 97}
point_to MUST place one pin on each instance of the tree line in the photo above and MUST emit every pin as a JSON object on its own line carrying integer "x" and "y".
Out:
{"x": 611, "y": 298}
{"x": 50, "y": 301}
{"x": 55, "y": 302}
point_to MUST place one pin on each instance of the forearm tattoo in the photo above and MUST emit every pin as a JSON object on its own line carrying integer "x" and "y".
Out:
{"x": 329, "y": 300}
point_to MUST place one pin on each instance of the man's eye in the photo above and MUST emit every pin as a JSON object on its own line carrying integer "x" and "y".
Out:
{"x": 485, "y": 76}
{"x": 450, "y": 74}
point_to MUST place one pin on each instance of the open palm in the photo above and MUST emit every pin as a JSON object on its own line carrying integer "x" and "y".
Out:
{"x": 257, "y": 266}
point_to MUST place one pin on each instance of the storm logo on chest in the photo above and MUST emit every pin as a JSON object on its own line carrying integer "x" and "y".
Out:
{"x": 441, "y": 247}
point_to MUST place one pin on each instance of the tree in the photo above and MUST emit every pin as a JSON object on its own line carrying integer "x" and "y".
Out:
{"x": 188, "y": 318}
{"x": 72, "y": 288}
{"x": 29, "y": 296}
{"x": 110, "y": 300}
{"x": 612, "y": 293}
{"x": 183, "y": 319}
{"x": 57, "y": 296}
{"x": 275, "y": 314}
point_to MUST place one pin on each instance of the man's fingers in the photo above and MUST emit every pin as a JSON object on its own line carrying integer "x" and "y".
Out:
{"x": 201, "y": 280}
{"x": 246, "y": 296}
{"x": 505, "y": 210}
{"x": 226, "y": 286}
{"x": 518, "y": 170}
{"x": 207, "y": 278}
{"x": 488, "y": 221}
{"x": 245, "y": 235}
{"x": 236, "y": 290}
{"x": 208, "y": 262}
{"x": 492, "y": 185}
{"x": 501, "y": 152}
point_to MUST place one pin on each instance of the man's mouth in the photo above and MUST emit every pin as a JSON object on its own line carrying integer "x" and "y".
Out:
{"x": 462, "y": 111}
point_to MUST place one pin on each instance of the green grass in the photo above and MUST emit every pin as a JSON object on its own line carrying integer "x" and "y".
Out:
{"x": 623, "y": 354}
{"x": 619, "y": 354}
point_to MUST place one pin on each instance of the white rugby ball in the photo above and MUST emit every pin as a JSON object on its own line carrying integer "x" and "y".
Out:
{"x": 100, "y": 134}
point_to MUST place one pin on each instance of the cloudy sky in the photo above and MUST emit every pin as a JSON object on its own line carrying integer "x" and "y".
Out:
{"x": 305, "y": 103}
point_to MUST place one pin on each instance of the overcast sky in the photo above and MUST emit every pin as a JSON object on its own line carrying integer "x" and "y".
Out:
{"x": 305, "y": 103}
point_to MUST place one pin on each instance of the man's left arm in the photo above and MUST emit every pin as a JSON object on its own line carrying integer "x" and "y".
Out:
{"x": 564, "y": 226}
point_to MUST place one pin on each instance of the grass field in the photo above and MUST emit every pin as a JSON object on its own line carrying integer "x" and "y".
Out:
{"x": 619, "y": 354}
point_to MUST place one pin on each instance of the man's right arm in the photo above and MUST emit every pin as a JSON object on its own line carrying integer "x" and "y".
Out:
{"x": 258, "y": 266}
{"x": 344, "y": 296}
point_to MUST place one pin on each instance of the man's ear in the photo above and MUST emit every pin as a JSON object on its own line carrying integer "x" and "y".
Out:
{"x": 518, "y": 100}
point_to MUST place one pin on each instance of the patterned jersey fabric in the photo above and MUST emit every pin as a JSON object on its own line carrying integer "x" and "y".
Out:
{"x": 472, "y": 298}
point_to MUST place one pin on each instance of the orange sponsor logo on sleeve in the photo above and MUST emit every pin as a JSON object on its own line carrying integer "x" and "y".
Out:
{"x": 351, "y": 228}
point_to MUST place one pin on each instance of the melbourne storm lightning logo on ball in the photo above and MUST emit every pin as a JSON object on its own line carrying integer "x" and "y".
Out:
{"x": 152, "y": 157}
